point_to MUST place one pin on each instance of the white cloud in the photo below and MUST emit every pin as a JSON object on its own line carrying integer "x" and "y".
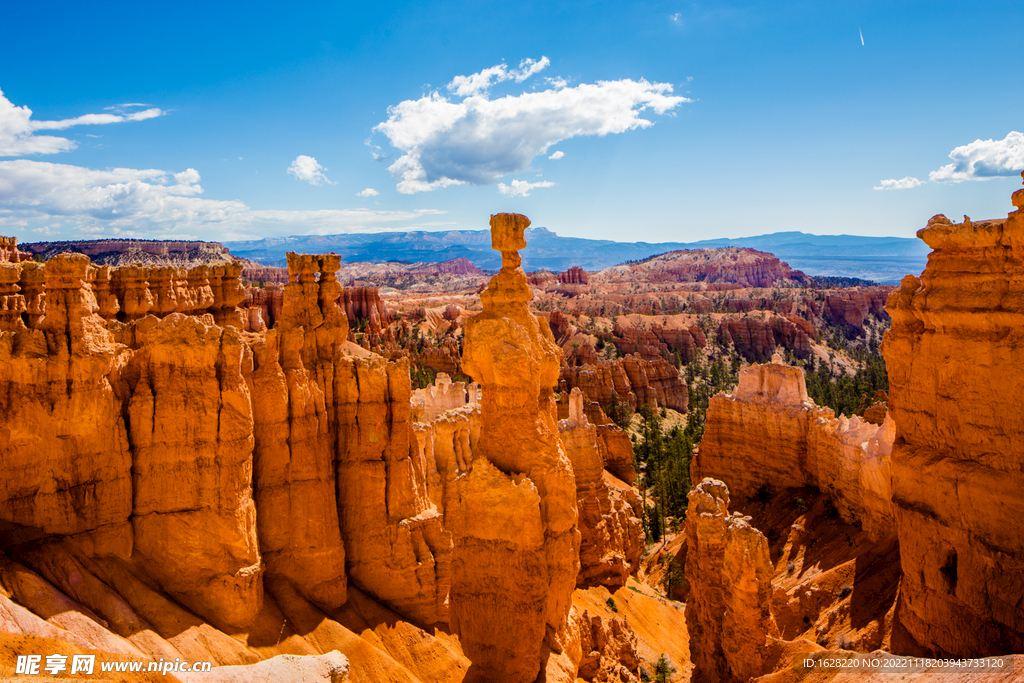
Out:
{"x": 557, "y": 155}
{"x": 368, "y": 192}
{"x": 479, "y": 83}
{"x": 307, "y": 169}
{"x": 17, "y": 129}
{"x": 983, "y": 160}
{"x": 479, "y": 140}
{"x": 901, "y": 184}
{"x": 75, "y": 203}
{"x": 521, "y": 188}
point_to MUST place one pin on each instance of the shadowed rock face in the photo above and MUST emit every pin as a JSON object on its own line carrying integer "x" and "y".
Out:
{"x": 954, "y": 361}
{"x": 514, "y": 517}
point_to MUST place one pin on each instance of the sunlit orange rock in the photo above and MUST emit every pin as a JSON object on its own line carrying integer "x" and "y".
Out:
{"x": 514, "y": 516}
{"x": 955, "y": 379}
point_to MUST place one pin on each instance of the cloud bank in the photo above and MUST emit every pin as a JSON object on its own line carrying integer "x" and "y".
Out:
{"x": 18, "y": 130}
{"x": 74, "y": 202}
{"x": 307, "y": 169}
{"x": 479, "y": 140}
{"x": 983, "y": 160}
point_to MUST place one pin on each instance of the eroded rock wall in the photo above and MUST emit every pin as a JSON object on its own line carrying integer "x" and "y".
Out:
{"x": 953, "y": 355}
{"x": 769, "y": 435}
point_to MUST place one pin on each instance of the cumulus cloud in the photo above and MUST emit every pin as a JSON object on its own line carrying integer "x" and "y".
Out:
{"x": 479, "y": 83}
{"x": 983, "y": 160}
{"x": 557, "y": 155}
{"x": 75, "y": 202}
{"x": 521, "y": 188}
{"x": 18, "y": 130}
{"x": 901, "y": 184}
{"x": 368, "y": 192}
{"x": 479, "y": 140}
{"x": 307, "y": 169}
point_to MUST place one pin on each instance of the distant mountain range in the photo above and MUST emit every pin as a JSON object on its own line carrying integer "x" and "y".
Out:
{"x": 882, "y": 259}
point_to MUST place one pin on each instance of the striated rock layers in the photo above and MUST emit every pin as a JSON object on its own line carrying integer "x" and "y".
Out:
{"x": 731, "y": 627}
{"x": 954, "y": 361}
{"x": 768, "y": 433}
{"x": 514, "y": 517}
{"x": 611, "y": 531}
{"x": 658, "y": 342}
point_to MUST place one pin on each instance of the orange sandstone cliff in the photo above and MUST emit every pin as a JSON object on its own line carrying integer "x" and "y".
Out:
{"x": 768, "y": 435}
{"x": 953, "y": 355}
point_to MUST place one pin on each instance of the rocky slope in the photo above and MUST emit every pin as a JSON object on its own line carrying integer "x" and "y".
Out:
{"x": 746, "y": 267}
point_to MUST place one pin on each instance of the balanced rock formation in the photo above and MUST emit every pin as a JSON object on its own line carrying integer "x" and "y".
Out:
{"x": 514, "y": 517}
{"x": 731, "y": 627}
{"x": 768, "y": 433}
{"x": 953, "y": 356}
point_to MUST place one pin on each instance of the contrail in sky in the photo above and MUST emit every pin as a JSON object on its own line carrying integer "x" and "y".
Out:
{"x": 861, "y": 35}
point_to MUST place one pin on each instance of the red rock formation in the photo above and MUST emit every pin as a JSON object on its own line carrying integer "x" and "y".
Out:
{"x": 612, "y": 536}
{"x": 769, "y": 433}
{"x": 573, "y": 276}
{"x": 136, "y": 252}
{"x": 729, "y": 616}
{"x": 659, "y": 342}
{"x": 363, "y": 305}
{"x": 199, "y": 476}
{"x": 514, "y": 518}
{"x": 953, "y": 355}
{"x": 852, "y": 305}
{"x": 745, "y": 267}
{"x": 756, "y": 339}
{"x": 254, "y": 272}
{"x": 630, "y": 380}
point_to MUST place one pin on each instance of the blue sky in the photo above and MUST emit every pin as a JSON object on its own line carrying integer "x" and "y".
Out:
{"x": 675, "y": 121}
